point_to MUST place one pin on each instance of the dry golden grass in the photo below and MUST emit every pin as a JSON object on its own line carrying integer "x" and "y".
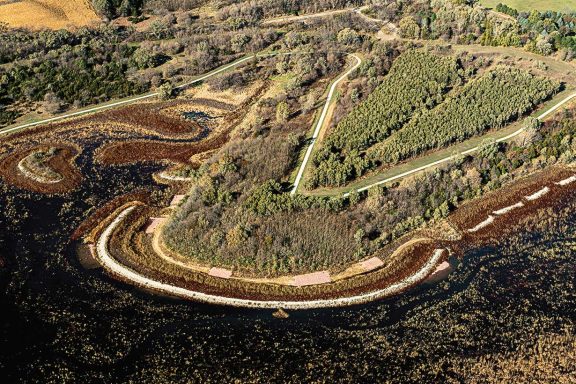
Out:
{"x": 51, "y": 14}
{"x": 229, "y": 96}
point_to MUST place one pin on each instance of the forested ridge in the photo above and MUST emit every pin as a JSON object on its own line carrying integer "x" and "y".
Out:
{"x": 495, "y": 99}
{"x": 417, "y": 81}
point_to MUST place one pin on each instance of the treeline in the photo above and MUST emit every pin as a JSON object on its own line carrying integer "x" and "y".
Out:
{"x": 468, "y": 22}
{"x": 70, "y": 76}
{"x": 20, "y": 44}
{"x": 115, "y": 8}
{"x": 498, "y": 97}
{"x": 417, "y": 81}
{"x": 255, "y": 10}
{"x": 136, "y": 8}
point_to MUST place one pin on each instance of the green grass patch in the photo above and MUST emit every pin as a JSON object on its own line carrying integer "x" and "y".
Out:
{"x": 540, "y": 5}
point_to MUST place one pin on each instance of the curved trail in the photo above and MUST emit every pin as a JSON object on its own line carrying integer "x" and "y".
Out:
{"x": 129, "y": 275}
{"x": 127, "y": 101}
{"x": 286, "y": 19}
{"x": 320, "y": 123}
{"x": 138, "y": 279}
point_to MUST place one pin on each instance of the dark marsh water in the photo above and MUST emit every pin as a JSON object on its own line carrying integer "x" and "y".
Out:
{"x": 61, "y": 323}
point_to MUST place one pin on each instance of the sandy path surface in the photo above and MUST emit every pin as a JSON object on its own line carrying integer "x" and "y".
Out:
{"x": 320, "y": 123}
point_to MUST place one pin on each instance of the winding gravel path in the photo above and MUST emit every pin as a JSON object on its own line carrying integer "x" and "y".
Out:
{"x": 127, "y": 101}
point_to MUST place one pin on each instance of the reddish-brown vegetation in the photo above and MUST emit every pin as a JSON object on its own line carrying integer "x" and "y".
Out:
{"x": 134, "y": 151}
{"x": 149, "y": 150}
{"x": 476, "y": 211}
{"x": 153, "y": 117}
{"x": 106, "y": 210}
{"x": 62, "y": 163}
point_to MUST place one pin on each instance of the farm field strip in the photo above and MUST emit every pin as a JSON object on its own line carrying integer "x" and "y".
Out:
{"x": 51, "y": 14}
{"x": 529, "y": 5}
{"x": 118, "y": 269}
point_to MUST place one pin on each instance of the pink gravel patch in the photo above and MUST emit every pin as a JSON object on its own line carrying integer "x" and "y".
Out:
{"x": 441, "y": 272}
{"x": 220, "y": 272}
{"x": 177, "y": 200}
{"x": 442, "y": 267}
{"x": 322, "y": 277}
{"x": 371, "y": 264}
{"x": 154, "y": 223}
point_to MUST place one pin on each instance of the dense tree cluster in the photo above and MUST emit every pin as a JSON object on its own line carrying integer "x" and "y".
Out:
{"x": 71, "y": 75}
{"x": 493, "y": 100}
{"x": 253, "y": 11}
{"x": 417, "y": 81}
{"x": 114, "y": 8}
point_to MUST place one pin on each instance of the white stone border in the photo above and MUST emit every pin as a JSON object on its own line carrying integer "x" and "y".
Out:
{"x": 537, "y": 195}
{"x": 567, "y": 181}
{"x": 38, "y": 178}
{"x": 116, "y": 268}
{"x": 510, "y": 208}
{"x": 483, "y": 224}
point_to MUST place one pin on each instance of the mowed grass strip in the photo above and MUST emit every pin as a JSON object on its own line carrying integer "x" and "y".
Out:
{"x": 540, "y": 5}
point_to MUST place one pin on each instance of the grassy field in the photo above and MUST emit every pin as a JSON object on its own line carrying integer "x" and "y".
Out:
{"x": 51, "y": 14}
{"x": 541, "y": 5}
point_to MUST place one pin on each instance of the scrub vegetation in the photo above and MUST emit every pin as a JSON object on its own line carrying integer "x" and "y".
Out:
{"x": 35, "y": 166}
{"x": 230, "y": 147}
{"x": 417, "y": 81}
{"x": 249, "y": 231}
{"x": 495, "y": 99}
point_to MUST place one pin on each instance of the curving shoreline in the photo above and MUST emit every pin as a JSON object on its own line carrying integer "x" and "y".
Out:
{"x": 556, "y": 182}
{"x": 116, "y": 268}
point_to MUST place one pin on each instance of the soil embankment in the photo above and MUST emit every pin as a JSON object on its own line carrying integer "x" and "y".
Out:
{"x": 61, "y": 163}
{"x": 541, "y": 194}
